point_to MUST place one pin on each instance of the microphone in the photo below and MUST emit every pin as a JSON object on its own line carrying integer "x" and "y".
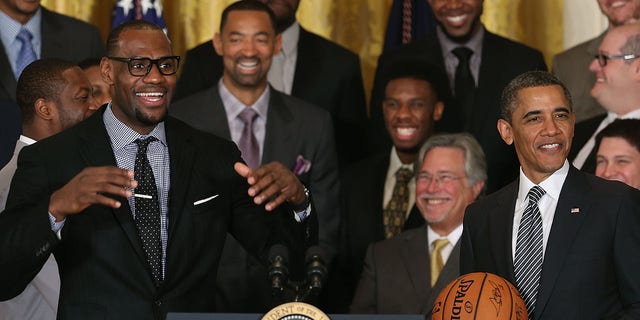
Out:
{"x": 316, "y": 269}
{"x": 278, "y": 271}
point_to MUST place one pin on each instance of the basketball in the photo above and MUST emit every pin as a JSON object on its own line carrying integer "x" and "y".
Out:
{"x": 481, "y": 296}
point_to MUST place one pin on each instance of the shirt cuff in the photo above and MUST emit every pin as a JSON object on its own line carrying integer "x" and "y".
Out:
{"x": 301, "y": 216}
{"x": 56, "y": 226}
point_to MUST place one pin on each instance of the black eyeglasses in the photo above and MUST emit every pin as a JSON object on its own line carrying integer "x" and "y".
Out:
{"x": 140, "y": 67}
{"x": 604, "y": 58}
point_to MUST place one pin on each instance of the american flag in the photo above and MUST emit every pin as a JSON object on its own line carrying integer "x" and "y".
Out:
{"x": 148, "y": 10}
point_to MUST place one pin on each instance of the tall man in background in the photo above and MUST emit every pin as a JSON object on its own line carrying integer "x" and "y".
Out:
{"x": 308, "y": 67}
{"x": 478, "y": 64}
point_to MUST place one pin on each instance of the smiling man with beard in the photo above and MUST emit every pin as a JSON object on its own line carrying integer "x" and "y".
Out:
{"x": 135, "y": 204}
{"x": 404, "y": 274}
{"x": 478, "y": 64}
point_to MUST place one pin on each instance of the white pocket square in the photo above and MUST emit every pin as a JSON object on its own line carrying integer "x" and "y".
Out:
{"x": 205, "y": 200}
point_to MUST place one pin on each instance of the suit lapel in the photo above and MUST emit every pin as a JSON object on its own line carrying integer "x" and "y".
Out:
{"x": 50, "y": 29}
{"x": 415, "y": 257}
{"x": 563, "y": 231}
{"x": 96, "y": 151}
{"x": 279, "y": 130}
{"x": 501, "y": 230}
{"x": 450, "y": 271}
{"x": 6, "y": 75}
{"x": 487, "y": 79}
{"x": 215, "y": 115}
{"x": 182, "y": 155}
{"x": 304, "y": 66}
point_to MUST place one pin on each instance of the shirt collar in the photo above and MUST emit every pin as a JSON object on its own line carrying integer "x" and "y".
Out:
{"x": 26, "y": 140}
{"x": 635, "y": 114}
{"x": 474, "y": 43}
{"x": 453, "y": 236}
{"x": 233, "y": 106}
{"x": 121, "y": 135}
{"x": 552, "y": 185}
{"x": 11, "y": 28}
{"x": 290, "y": 38}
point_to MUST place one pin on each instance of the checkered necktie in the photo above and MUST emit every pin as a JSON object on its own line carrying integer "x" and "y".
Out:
{"x": 528, "y": 260}
{"x": 147, "y": 211}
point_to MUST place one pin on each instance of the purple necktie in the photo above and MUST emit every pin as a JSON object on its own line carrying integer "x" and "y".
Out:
{"x": 248, "y": 144}
{"x": 26, "y": 54}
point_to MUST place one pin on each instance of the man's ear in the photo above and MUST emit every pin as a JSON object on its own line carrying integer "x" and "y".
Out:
{"x": 106, "y": 71}
{"x": 43, "y": 109}
{"x": 438, "y": 109}
{"x": 506, "y": 132}
{"x": 217, "y": 43}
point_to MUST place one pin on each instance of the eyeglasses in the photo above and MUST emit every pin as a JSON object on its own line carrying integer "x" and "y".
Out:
{"x": 140, "y": 67}
{"x": 604, "y": 58}
{"x": 440, "y": 179}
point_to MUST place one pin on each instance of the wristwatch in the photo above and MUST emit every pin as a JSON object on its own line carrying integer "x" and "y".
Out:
{"x": 305, "y": 204}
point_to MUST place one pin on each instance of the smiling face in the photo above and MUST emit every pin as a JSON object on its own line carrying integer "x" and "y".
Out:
{"x": 620, "y": 12}
{"x": 442, "y": 203}
{"x": 75, "y": 101}
{"x": 618, "y": 160}
{"x": 616, "y": 83}
{"x": 139, "y": 102}
{"x": 246, "y": 43}
{"x": 410, "y": 107}
{"x": 541, "y": 128}
{"x": 459, "y": 19}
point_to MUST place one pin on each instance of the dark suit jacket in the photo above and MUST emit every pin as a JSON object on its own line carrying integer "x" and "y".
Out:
{"x": 104, "y": 273}
{"x": 361, "y": 199}
{"x": 397, "y": 276}
{"x": 63, "y": 37}
{"x": 10, "y": 129}
{"x": 590, "y": 268}
{"x": 583, "y": 131}
{"x": 502, "y": 60}
{"x": 326, "y": 75}
{"x": 293, "y": 128}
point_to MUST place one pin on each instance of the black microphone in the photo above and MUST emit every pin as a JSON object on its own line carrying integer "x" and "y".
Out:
{"x": 316, "y": 269}
{"x": 278, "y": 270}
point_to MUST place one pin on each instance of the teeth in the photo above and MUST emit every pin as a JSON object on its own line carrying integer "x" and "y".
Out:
{"x": 150, "y": 94}
{"x": 405, "y": 131}
{"x": 436, "y": 201}
{"x": 618, "y": 4}
{"x": 248, "y": 64}
{"x": 457, "y": 19}
{"x": 599, "y": 79}
{"x": 550, "y": 146}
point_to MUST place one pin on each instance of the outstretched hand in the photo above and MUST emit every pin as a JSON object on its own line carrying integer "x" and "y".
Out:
{"x": 272, "y": 182}
{"x": 90, "y": 187}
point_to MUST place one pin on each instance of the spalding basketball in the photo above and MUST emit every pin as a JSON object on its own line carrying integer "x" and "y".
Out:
{"x": 481, "y": 296}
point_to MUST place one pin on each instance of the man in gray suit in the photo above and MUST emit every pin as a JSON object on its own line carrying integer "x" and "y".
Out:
{"x": 572, "y": 65}
{"x": 290, "y": 136}
{"x": 404, "y": 274}
{"x": 53, "y": 95}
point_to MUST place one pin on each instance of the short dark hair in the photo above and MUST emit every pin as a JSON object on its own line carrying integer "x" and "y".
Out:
{"x": 417, "y": 69}
{"x": 88, "y": 63}
{"x": 42, "y": 79}
{"x": 627, "y": 129}
{"x": 114, "y": 35}
{"x": 248, "y": 5}
{"x": 530, "y": 79}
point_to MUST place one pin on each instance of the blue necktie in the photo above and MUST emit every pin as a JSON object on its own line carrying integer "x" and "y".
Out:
{"x": 26, "y": 54}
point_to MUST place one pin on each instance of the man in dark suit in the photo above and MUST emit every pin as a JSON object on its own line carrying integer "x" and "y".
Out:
{"x": 53, "y": 36}
{"x": 493, "y": 61}
{"x": 405, "y": 274}
{"x": 136, "y": 249}
{"x": 414, "y": 100}
{"x": 289, "y": 133}
{"x": 617, "y": 89}
{"x": 572, "y": 65}
{"x": 308, "y": 67}
{"x": 563, "y": 237}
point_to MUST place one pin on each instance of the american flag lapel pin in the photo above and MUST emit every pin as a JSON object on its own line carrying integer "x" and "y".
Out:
{"x": 575, "y": 210}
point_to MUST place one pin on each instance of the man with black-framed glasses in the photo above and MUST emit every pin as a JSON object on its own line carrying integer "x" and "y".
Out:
{"x": 135, "y": 204}
{"x": 617, "y": 89}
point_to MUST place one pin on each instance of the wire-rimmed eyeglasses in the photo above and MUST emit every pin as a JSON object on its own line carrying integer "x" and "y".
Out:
{"x": 603, "y": 59}
{"x": 439, "y": 179}
{"x": 141, "y": 66}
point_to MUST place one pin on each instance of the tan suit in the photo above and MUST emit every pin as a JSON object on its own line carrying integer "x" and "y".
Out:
{"x": 572, "y": 67}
